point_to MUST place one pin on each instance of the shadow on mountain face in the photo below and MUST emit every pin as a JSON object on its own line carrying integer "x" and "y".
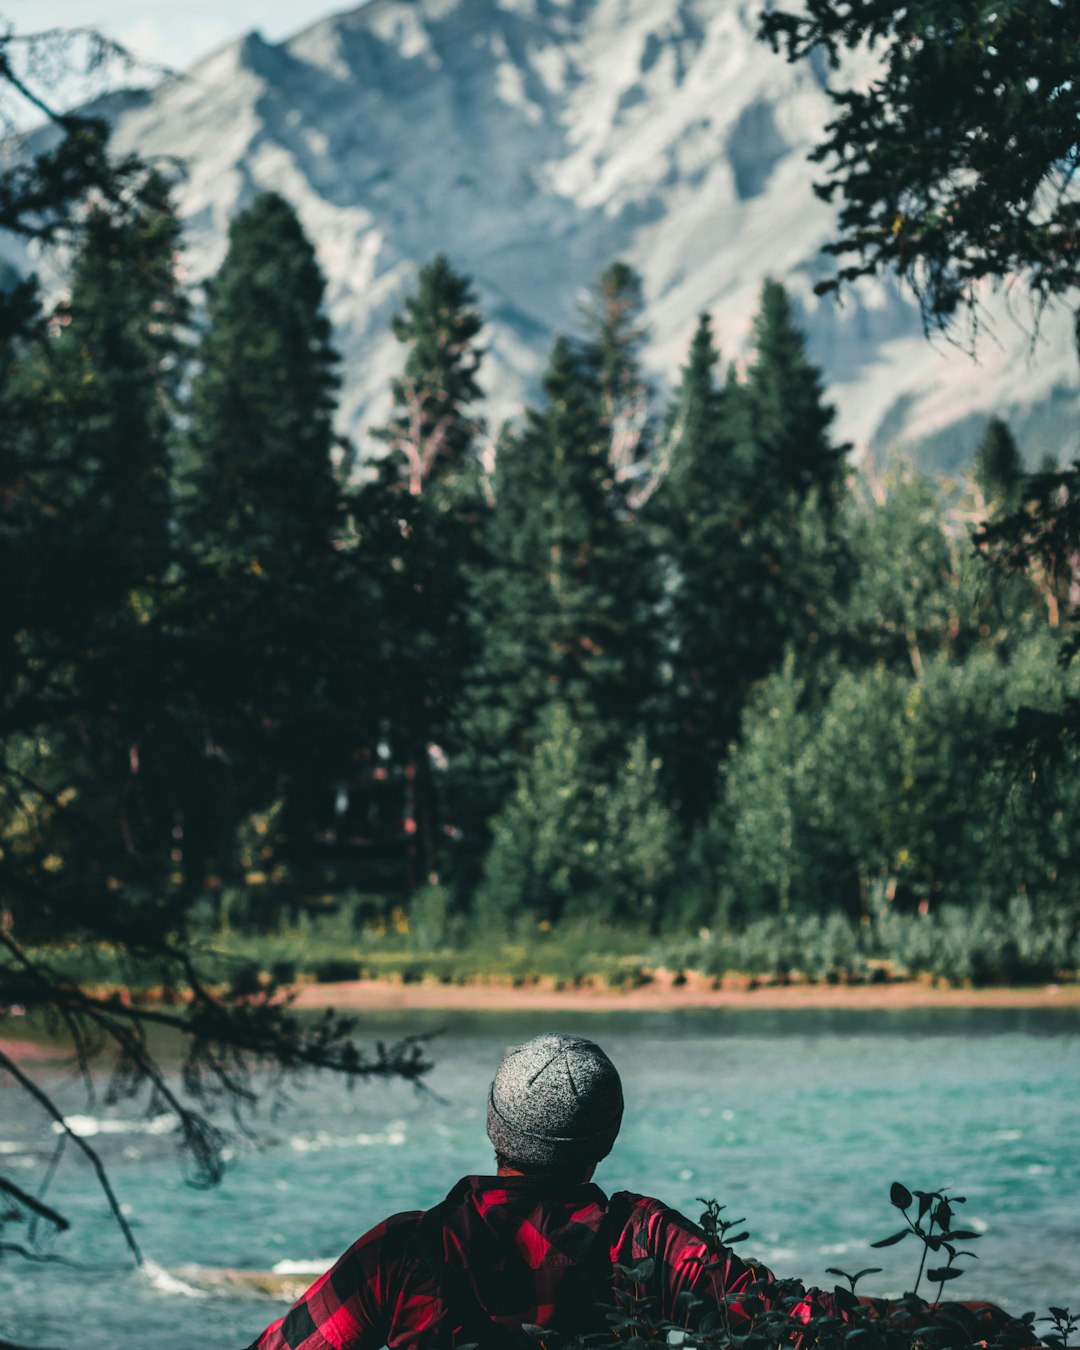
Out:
{"x": 755, "y": 147}
{"x": 443, "y": 128}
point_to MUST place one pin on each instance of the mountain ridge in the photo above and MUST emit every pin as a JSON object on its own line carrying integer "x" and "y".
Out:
{"x": 534, "y": 141}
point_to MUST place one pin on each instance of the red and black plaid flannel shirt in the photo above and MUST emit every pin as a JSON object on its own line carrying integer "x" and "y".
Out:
{"x": 497, "y": 1253}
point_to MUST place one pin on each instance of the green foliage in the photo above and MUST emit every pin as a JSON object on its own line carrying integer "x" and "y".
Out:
{"x": 765, "y": 792}
{"x": 785, "y": 420}
{"x": 998, "y": 467}
{"x": 615, "y": 335}
{"x": 430, "y": 914}
{"x": 904, "y": 602}
{"x": 260, "y": 491}
{"x": 564, "y": 605}
{"x": 545, "y": 845}
{"x": 570, "y": 844}
{"x": 746, "y": 515}
{"x": 953, "y": 166}
{"x": 895, "y": 784}
{"x": 762, "y": 1311}
{"x": 1020, "y": 943}
{"x": 431, "y": 434}
{"x": 638, "y": 839}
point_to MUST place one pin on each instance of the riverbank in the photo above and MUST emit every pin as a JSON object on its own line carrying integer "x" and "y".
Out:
{"x": 668, "y": 992}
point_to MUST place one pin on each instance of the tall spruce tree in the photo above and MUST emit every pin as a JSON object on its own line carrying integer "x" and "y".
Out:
{"x": 87, "y": 529}
{"x": 793, "y": 479}
{"x": 98, "y": 402}
{"x": 260, "y": 483}
{"x": 786, "y": 420}
{"x": 432, "y": 432}
{"x": 697, "y": 509}
{"x": 615, "y": 333}
{"x": 747, "y": 513}
{"x": 429, "y": 490}
{"x": 998, "y": 468}
{"x": 286, "y": 614}
{"x": 565, "y": 606}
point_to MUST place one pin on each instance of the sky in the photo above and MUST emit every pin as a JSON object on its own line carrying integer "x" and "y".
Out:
{"x": 172, "y": 32}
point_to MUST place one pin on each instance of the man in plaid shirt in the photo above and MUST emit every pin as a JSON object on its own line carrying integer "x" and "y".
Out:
{"x": 535, "y": 1244}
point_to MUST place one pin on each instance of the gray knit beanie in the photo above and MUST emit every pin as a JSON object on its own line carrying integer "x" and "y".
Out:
{"x": 556, "y": 1101}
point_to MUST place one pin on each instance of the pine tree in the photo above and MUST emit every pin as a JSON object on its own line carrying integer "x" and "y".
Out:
{"x": 615, "y": 334}
{"x": 565, "y": 605}
{"x": 100, "y": 399}
{"x": 694, "y": 419}
{"x": 747, "y": 512}
{"x": 786, "y": 420}
{"x": 87, "y": 528}
{"x": 429, "y": 483}
{"x": 698, "y": 508}
{"x": 260, "y": 483}
{"x": 576, "y": 839}
{"x": 542, "y": 863}
{"x": 431, "y": 432}
{"x": 794, "y": 568}
{"x": 998, "y": 467}
{"x": 291, "y": 665}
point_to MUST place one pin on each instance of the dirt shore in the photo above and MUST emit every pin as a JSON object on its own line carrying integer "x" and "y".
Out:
{"x": 666, "y": 993}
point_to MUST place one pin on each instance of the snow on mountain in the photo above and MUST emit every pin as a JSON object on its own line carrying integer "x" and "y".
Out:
{"x": 534, "y": 141}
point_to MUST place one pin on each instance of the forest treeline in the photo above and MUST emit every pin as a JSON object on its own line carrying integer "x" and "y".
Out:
{"x": 670, "y": 664}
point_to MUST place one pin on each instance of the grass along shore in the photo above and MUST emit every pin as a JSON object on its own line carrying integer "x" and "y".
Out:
{"x": 963, "y": 956}
{"x": 669, "y": 991}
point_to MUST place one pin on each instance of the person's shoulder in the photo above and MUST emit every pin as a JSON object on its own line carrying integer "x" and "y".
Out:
{"x": 643, "y": 1202}
{"x": 395, "y": 1230}
{"x": 648, "y": 1211}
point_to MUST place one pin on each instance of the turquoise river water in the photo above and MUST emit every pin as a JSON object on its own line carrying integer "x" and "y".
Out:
{"x": 797, "y": 1121}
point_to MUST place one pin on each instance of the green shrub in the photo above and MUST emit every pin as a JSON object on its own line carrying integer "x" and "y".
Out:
{"x": 336, "y": 970}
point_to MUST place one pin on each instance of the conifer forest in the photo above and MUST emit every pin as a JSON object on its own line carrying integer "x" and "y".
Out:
{"x": 640, "y": 668}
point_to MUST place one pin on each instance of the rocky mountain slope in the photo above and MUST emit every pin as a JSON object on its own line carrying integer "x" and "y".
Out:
{"x": 534, "y": 141}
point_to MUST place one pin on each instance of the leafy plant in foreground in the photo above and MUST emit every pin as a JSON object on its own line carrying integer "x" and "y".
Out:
{"x": 769, "y": 1313}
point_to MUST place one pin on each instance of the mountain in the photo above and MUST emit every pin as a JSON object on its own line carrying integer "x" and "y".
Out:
{"x": 534, "y": 141}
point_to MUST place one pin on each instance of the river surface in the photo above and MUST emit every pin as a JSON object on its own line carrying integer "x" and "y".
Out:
{"x": 796, "y": 1120}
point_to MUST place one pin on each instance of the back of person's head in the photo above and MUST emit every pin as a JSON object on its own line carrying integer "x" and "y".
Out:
{"x": 555, "y": 1105}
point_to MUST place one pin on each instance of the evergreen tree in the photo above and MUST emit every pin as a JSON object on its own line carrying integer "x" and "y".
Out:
{"x": 428, "y": 490}
{"x": 694, "y": 421}
{"x": 565, "y": 605}
{"x": 756, "y": 560}
{"x": 542, "y": 863}
{"x": 615, "y": 334}
{"x": 87, "y": 527}
{"x": 793, "y": 563}
{"x": 765, "y": 789}
{"x": 998, "y": 467}
{"x": 639, "y": 839}
{"x": 431, "y": 432}
{"x": 698, "y": 509}
{"x": 98, "y": 401}
{"x": 576, "y": 841}
{"x": 786, "y": 420}
{"x": 291, "y": 666}
{"x": 260, "y": 483}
